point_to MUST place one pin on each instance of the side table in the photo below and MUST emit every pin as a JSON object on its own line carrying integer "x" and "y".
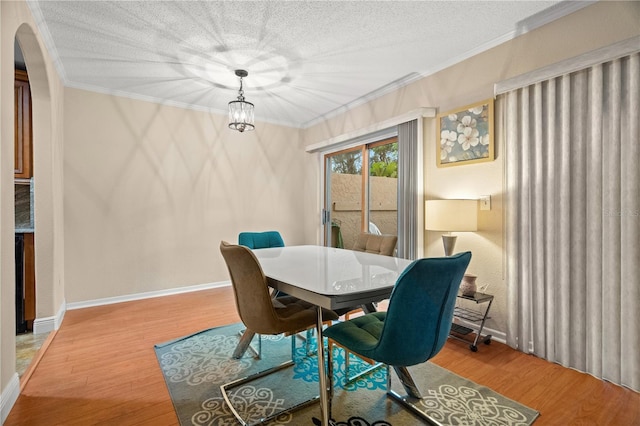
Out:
{"x": 459, "y": 331}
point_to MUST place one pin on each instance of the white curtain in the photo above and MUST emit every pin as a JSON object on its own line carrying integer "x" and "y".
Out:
{"x": 572, "y": 146}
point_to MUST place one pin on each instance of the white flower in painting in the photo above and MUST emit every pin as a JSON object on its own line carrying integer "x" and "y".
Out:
{"x": 484, "y": 140}
{"x": 468, "y": 138}
{"x": 447, "y": 136}
{"x": 477, "y": 110}
{"x": 453, "y": 117}
{"x": 467, "y": 121}
{"x": 447, "y": 141}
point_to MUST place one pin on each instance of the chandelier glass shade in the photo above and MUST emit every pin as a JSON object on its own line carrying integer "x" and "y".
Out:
{"x": 240, "y": 111}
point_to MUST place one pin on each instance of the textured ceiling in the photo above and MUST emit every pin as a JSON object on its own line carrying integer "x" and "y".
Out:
{"x": 306, "y": 60}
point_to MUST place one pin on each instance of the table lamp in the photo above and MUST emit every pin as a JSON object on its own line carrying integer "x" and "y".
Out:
{"x": 451, "y": 216}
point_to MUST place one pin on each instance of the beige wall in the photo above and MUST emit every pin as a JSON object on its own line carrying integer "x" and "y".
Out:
{"x": 471, "y": 81}
{"x": 150, "y": 191}
{"x": 47, "y": 97}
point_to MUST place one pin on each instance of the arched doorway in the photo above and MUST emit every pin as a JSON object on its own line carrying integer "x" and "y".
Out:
{"x": 43, "y": 171}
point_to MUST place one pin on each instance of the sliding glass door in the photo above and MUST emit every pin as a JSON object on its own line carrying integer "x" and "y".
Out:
{"x": 361, "y": 192}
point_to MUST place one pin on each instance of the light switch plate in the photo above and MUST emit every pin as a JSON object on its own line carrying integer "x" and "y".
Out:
{"x": 485, "y": 202}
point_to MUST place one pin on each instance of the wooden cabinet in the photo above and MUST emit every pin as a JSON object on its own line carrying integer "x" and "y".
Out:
{"x": 29, "y": 280}
{"x": 25, "y": 282}
{"x": 23, "y": 160}
{"x": 23, "y": 169}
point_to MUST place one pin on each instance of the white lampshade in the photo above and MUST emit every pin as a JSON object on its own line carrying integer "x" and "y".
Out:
{"x": 451, "y": 215}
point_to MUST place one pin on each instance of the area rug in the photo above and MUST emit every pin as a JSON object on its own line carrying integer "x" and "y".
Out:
{"x": 195, "y": 366}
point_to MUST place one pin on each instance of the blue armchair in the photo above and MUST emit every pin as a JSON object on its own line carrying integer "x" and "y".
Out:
{"x": 414, "y": 328}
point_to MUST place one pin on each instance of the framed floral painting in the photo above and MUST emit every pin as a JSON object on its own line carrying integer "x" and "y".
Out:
{"x": 465, "y": 135}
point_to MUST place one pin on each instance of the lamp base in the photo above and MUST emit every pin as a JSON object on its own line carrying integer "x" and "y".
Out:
{"x": 449, "y": 242}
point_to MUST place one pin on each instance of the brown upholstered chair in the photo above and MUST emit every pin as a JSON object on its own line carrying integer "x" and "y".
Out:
{"x": 262, "y": 314}
{"x": 379, "y": 244}
{"x": 371, "y": 243}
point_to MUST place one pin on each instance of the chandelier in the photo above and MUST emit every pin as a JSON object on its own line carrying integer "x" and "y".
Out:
{"x": 241, "y": 111}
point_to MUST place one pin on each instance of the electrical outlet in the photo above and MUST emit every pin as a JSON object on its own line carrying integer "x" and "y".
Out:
{"x": 485, "y": 202}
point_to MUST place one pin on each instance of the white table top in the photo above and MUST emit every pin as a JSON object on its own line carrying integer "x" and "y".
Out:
{"x": 331, "y": 277}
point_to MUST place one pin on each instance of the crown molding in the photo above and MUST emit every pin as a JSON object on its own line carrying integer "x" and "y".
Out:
{"x": 373, "y": 131}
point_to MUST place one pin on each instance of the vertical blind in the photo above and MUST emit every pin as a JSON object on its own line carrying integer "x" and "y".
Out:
{"x": 572, "y": 148}
{"x": 408, "y": 189}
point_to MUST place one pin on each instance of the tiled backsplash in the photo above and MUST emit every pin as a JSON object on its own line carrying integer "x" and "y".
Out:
{"x": 23, "y": 206}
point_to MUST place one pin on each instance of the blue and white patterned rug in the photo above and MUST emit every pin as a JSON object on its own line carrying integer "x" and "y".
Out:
{"x": 195, "y": 366}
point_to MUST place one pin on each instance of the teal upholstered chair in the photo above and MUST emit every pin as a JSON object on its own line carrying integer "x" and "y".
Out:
{"x": 416, "y": 324}
{"x": 258, "y": 240}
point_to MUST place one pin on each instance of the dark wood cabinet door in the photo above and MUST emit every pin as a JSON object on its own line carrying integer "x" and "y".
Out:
{"x": 29, "y": 280}
{"x": 22, "y": 126}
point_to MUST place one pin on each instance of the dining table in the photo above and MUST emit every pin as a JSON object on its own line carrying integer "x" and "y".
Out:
{"x": 333, "y": 278}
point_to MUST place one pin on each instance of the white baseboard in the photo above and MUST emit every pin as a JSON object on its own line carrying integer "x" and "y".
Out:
{"x": 146, "y": 295}
{"x": 9, "y": 396}
{"x": 49, "y": 324}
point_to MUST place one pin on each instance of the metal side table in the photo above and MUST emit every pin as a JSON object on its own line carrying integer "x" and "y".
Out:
{"x": 459, "y": 331}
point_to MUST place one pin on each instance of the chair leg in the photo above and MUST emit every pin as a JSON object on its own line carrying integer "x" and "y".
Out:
{"x": 403, "y": 401}
{"x": 388, "y": 378}
{"x": 293, "y": 344}
{"x": 246, "y": 337}
{"x": 346, "y": 366}
{"x": 330, "y": 373}
{"x": 347, "y": 379}
{"x": 411, "y": 388}
{"x": 293, "y": 347}
{"x": 368, "y": 370}
{"x": 307, "y": 339}
{"x": 239, "y": 382}
{"x": 407, "y": 382}
{"x": 368, "y": 308}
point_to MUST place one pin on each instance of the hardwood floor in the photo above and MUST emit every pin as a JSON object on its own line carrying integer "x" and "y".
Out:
{"x": 100, "y": 368}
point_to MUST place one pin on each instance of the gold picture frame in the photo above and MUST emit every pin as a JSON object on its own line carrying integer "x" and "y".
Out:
{"x": 465, "y": 135}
